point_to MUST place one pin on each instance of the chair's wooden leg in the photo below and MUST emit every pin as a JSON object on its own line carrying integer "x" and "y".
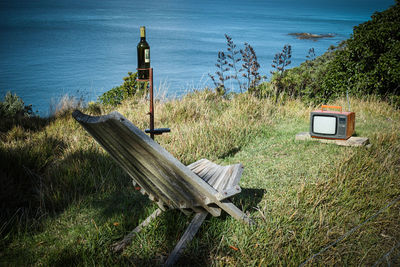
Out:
{"x": 119, "y": 246}
{"x": 234, "y": 211}
{"x": 186, "y": 238}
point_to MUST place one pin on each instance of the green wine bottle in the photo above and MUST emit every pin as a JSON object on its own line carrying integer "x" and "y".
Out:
{"x": 143, "y": 55}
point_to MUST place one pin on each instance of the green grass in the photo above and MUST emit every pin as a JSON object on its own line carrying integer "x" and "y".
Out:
{"x": 66, "y": 202}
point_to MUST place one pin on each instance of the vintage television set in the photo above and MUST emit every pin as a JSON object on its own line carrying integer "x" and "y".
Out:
{"x": 332, "y": 124}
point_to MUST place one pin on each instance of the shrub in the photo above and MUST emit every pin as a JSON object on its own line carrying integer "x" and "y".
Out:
{"x": 368, "y": 63}
{"x": 371, "y": 58}
{"x": 12, "y": 106}
{"x": 305, "y": 81}
{"x": 129, "y": 88}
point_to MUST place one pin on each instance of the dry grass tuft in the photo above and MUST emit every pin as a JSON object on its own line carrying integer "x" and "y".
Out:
{"x": 65, "y": 105}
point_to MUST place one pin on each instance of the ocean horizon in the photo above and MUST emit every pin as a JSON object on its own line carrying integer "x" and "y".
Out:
{"x": 84, "y": 48}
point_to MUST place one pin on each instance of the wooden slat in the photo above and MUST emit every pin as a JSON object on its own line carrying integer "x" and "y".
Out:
{"x": 224, "y": 179}
{"x": 110, "y": 135}
{"x": 119, "y": 246}
{"x": 196, "y": 163}
{"x": 186, "y": 238}
{"x": 173, "y": 197}
{"x": 217, "y": 174}
{"x": 124, "y": 151}
{"x": 237, "y": 173}
{"x": 217, "y": 184}
{"x": 115, "y": 150}
{"x": 163, "y": 176}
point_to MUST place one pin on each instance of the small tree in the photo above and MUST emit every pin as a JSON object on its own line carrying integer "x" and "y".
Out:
{"x": 311, "y": 54}
{"x": 280, "y": 62}
{"x": 251, "y": 67}
{"x": 230, "y": 61}
{"x": 232, "y": 55}
{"x": 220, "y": 78}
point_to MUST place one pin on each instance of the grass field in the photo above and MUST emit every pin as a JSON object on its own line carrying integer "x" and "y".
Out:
{"x": 65, "y": 202}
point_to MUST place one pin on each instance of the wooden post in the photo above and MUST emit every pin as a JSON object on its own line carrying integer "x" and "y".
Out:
{"x": 151, "y": 113}
{"x": 151, "y": 91}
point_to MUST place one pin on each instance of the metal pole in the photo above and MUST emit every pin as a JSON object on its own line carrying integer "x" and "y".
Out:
{"x": 151, "y": 113}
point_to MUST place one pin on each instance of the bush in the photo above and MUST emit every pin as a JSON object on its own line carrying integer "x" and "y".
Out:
{"x": 371, "y": 58}
{"x": 368, "y": 63}
{"x": 12, "y": 106}
{"x": 129, "y": 88}
{"x": 306, "y": 80}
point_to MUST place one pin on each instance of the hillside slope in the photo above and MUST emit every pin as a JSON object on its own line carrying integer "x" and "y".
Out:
{"x": 64, "y": 201}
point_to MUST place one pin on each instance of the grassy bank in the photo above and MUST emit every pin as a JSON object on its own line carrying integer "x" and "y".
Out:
{"x": 64, "y": 201}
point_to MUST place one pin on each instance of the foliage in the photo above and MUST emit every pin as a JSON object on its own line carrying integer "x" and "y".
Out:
{"x": 129, "y": 88}
{"x": 229, "y": 61}
{"x": 305, "y": 81}
{"x": 368, "y": 63}
{"x": 232, "y": 55}
{"x": 279, "y": 63}
{"x": 251, "y": 66}
{"x": 219, "y": 81}
{"x": 94, "y": 108}
{"x": 12, "y": 106}
{"x": 282, "y": 59}
{"x": 311, "y": 54}
{"x": 114, "y": 96}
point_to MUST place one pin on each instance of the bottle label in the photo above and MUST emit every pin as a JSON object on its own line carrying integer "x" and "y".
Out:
{"x": 147, "y": 56}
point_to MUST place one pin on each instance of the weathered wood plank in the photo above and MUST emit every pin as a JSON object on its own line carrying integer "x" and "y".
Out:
{"x": 113, "y": 150}
{"x": 236, "y": 174}
{"x": 123, "y": 152}
{"x": 160, "y": 181}
{"x": 218, "y": 183}
{"x": 186, "y": 238}
{"x": 234, "y": 211}
{"x": 227, "y": 193}
{"x": 195, "y": 164}
{"x": 119, "y": 246}
{"x": 163, "y": 175}
{"x": 218, "y": 173}
{"x": 224, "y": 179}
{"x": 352, "y": 141}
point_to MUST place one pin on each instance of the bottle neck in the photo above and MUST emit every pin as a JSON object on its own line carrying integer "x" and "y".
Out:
{"x": 142, "y": 33}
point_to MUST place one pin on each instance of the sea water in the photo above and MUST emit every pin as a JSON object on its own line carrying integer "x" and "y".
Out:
{"x": 84, "y": 47}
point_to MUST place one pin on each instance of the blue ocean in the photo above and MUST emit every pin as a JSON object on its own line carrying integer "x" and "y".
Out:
{"x": 50, "y": 48}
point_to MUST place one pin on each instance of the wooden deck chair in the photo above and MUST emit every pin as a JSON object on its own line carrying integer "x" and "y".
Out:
{"x": 202, "y": 187}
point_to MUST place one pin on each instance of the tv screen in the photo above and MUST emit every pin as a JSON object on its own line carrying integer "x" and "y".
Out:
{"x": 324, "y": 124}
